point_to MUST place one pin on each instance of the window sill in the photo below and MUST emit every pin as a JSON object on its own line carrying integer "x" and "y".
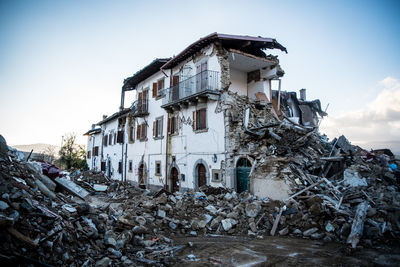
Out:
{"x": 201, "y": 131}
{"x": 174, "y": 134}
{"x": 158, "y": 137}
{"x": 159, "y": 97}
{"x": 143, "y": 139}
{"x": 157, "y": 174}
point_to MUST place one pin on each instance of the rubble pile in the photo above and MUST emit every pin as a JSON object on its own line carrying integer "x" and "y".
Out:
{"x": 334, "y": 178}
{"x": 332, "y": 191}
{"x": 41, "y": 223}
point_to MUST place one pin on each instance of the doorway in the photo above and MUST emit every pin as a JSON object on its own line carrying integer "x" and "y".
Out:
{"x": 201, "y": 175}
{"x": 174, "y": 180}
{"x": 243, "y": 167}
{"x": 142, "y": 176}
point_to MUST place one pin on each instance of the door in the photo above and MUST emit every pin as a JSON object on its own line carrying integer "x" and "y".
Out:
{"x": 201, "y": 77}
{"x": 174, "y": 180}
{"x": 201, "y": 175}
{"x": 142, "y": 180}
{"x": 242, "y": 174}
{"x": 175, "y": 88}
{"x": 243, "y": 168}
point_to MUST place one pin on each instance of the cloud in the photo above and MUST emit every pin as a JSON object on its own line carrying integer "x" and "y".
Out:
{"x": 375, "y": 126}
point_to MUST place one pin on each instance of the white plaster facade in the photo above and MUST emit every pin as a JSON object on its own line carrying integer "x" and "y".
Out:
{"x": 188, "y": 153}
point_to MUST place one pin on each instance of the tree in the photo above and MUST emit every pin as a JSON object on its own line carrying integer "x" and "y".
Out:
{"x": 71, "y": 154}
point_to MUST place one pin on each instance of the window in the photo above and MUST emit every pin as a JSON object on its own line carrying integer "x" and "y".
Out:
{"x": 103, "y": 166}
{"x": 115, "y": 138}
{"x": 216, "y": 175}
{"x": 95, "y": 151}
{"x": 158, "y": 168}
{"x": 120, "y": 137}
{"x": 131, "y": 134}
{"x": 157, "y": 87}
{"x": 110, "y": 138}
{"x": 173, "y": 125}
{"x": 199, "y": 119}
{"x": 143, "y": 101}
{"x": 157, "y": 127}
{"x": 120, "y": 167}
{"x": 141, "y": 132}
{"x": 105, "y": 140}
{"x": 89, "y": 154}
{"x": 130, "y": 164}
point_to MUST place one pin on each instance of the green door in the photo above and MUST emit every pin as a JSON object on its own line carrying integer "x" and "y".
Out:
{"x": 242, "y": 178}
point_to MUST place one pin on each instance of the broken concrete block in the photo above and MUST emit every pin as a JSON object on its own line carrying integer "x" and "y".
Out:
{"x": 353, "y": 179}
{"x": 45, "y": 190}
{"x": 72, "y": 187}
{"x": 226, "y": 224}
{"x": 252, "y": 209}
{"x": 161, "y": 213}
{"x": 310, "y": 231}
{"x": 104, "y": 262}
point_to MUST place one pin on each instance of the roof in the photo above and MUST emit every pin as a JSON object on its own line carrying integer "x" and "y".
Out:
{"x": 131, "y": 82}
{"x": 114, "y": 116}
{"x": 227, "y": 40}
{"x": 93, "y": 131}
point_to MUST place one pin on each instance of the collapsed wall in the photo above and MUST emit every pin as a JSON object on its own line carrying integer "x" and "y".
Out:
{"x": 279, "y": 149}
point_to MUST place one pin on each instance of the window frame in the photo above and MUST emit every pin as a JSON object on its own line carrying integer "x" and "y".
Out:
{"x": 158, "y": 127}
{"x": 157, "y": 173}
{"x": 197, "y": 120}
{"x": 96, "y": 151}
{"x": 130, "y": 166}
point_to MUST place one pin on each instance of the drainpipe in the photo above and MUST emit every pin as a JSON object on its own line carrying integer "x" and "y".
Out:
{"x": 122, "y": 160}
{"x": 94, "y": 138}
{"x": 126, "y": 158}
{"x": 166, "y": 154}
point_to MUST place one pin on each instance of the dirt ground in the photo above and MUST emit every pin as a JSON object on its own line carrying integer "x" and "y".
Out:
{"x": 278, "y": 251}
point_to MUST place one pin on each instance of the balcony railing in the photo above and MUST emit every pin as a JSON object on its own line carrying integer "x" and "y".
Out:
{"x": 207, "y": 80}
{"x": 140, "y": 107}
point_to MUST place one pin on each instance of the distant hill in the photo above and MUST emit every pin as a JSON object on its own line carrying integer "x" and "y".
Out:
{"x": 38, "y": 148}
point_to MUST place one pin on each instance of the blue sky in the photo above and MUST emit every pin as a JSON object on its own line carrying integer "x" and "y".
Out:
{"x": 63, "y": 62}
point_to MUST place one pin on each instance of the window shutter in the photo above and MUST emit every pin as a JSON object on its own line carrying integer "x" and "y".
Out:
{"x": 194, "y": 120}
{"x": 138, "y": 131}
{"x": 202, "y": 119}
{"x": 154, "y": 89}
{"x": 154, "y": 128}
{"x": 160, "y": 125}
{"x": 169, "y": 125}
{"x": 144, "y": 131}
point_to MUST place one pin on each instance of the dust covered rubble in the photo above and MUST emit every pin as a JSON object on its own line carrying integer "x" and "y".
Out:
{"x": 331, "y": 193}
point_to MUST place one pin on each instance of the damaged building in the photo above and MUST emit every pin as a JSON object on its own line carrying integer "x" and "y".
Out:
{"x": 212, "y": 115}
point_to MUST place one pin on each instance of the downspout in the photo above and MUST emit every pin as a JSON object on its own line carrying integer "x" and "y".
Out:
{"x": 122, "y": 98}
{"x": 166, "y": 154}
{"x": 126, "y": 158}
{"x": 93, "y": 161}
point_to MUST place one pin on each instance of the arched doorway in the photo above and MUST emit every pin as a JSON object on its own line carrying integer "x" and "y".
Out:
{"x": 201, "y": 175}
{"x": 142, "y": 176}
{"x": 243, "y": 167}
{"x": 174, "y": 180}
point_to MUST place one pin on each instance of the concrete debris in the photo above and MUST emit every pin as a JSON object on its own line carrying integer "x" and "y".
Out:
{"x": 312, "y": 189}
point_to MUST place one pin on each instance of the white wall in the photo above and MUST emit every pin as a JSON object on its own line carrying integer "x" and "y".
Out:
{"x": 238, "y": 81}
{"x": 94, "y": 161}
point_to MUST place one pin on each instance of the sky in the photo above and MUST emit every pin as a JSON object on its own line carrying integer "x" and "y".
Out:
{"x": 62, "y": 63}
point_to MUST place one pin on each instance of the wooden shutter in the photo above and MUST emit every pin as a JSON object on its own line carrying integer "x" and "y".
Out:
{"x": 160, "y": 125}
{"x": 169, "y": 125}
{"x": 138, "y": 132}
{"x": 194, "y": 120}
{"x": 154, "y": 89}
{"x": 140, "y": 101}
{"x": 144, "y": 131}
{"x": 202, "y": 118}
{"x": 105, "y": 140}
{"x": 154, "y": 128}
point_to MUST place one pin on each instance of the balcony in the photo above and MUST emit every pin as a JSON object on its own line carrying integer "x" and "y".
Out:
{"x": 140, "y": 107}
{"x": 196, "y": 88}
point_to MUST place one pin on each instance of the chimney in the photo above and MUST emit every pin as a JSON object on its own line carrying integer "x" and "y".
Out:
{"x": 93, "y": 125}
{"x": 303, "y": 94}
{"x": 104, "y": 117}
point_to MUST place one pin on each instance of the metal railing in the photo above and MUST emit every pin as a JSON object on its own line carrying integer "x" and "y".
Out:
{"x": 207, "y": 80}
{"x": 140, "y": 107}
